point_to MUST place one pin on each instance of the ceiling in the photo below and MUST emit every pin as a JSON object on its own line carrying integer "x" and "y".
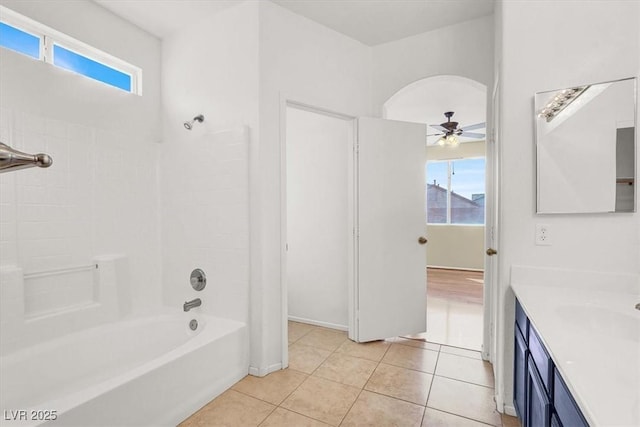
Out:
{"x": 375, "y": 22}
{"x": 163, "y": 17}
{"x": 372, "y": 22}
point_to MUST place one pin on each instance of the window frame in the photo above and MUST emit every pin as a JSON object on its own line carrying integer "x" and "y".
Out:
{"x": 448, "y": 189}
{"x": 49, "y": 36}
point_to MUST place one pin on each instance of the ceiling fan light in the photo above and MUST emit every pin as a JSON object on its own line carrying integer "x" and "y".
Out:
{"x": 441, "y": 141}
{"x": 452, "y": 140}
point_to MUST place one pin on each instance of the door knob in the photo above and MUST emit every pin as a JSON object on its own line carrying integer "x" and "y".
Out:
{"x": 491, "y": 252}
{"x": 422, "y": 240}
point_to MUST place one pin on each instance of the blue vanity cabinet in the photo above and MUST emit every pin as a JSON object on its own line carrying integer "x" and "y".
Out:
{"x": 520, "y": 374}
{"x": 538, "y": 404}
{"x": 541, "y": 359}
{"x": 522, "y": 322}
{"x": 566, "y": 408}
{"x": 540, "y": 395}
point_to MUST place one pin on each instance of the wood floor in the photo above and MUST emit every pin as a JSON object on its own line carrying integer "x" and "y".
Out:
{"x": 458, "y": 285}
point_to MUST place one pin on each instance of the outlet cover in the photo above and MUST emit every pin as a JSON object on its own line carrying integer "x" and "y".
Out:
{"x": 543, "y": 235}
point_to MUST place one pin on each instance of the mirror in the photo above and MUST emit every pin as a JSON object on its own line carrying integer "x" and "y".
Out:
{"x": 586, "y": 150}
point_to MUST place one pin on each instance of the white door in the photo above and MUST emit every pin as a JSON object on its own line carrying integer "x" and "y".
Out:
{"x": 390, "y": 291}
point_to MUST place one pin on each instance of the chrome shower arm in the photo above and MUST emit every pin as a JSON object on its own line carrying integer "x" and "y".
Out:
{"x": 11, "y": 159}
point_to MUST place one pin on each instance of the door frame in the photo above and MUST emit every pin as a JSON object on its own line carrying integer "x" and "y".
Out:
{"x": 492, "y": 213}
{"x": 295, "y": 102}
{"x": 492, "y": 224}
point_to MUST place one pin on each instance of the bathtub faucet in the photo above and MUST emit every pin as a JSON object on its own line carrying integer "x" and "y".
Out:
{"x": 188, "y": 305}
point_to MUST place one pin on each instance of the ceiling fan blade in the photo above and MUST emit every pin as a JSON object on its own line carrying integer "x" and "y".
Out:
{"x": 472, "y": 127}
{"x": 440, "y": 128}
{"x": 472, "y": 135}
{"x": 435, "y": 134}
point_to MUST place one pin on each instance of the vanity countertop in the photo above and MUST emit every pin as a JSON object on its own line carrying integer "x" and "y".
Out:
{"x": 592, "y": 334}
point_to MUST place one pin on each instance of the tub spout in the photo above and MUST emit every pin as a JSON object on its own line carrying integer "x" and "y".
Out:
{"x": 188, "y": 305}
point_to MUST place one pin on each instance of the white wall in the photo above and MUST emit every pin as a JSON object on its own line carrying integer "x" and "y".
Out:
{"x": 209, "y": 68}
{"x": 456, "y": 246}
{"x": 306, "y": 62}
{"x": 318, "y": 226}
{"x": 464, "y": 49}
{"x": 542, "y": 50}
{"x": 99, "y": 197}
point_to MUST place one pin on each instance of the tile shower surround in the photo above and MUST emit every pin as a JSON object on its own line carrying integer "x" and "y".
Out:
{"x": 67, "y": 215}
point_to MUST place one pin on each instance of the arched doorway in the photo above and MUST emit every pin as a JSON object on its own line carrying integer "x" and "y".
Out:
{"x": 455, "y": 181}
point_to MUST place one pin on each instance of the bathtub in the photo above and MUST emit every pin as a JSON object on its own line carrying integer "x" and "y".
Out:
{"x": 147, "y": 371}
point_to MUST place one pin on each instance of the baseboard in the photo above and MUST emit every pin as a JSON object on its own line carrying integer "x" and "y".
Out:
{"x": 319, "y": 323}
{"x": 502, "y": 407}
{"x": 510, "y": 410}
{"x": 261, "y": 372}
{"x": 499, "y": 402}
{"x": 441, "y": 267}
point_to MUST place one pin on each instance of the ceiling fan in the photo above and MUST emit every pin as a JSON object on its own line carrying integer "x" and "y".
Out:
{"x": 449, "y": 131}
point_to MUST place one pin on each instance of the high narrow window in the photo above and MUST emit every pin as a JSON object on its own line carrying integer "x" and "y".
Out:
{"x": 31, "y": 38}
{"x": 19, "y": 41}
{"x": 72, "y": 61}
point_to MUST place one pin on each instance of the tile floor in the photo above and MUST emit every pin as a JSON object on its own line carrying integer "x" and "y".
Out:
{"x": 332, "y": 381}
{"x": 454, "y": 323}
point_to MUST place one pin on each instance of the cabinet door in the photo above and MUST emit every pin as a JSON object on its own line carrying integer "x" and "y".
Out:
{"x": 520, "y": 376}
{"x": 522, "y": 321}
{"x": 538, "y": 406}
{"x": 568, "y": 412}
{"x": 541, "y": 358}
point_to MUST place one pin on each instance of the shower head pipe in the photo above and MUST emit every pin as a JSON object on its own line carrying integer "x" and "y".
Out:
{"x": 188, "y": 125}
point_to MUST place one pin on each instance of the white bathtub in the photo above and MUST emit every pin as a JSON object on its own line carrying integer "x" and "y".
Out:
{"x": 150, "y": 371}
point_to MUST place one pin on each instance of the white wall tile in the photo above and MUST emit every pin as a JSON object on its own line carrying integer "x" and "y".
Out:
{"x": 205, "y": 208}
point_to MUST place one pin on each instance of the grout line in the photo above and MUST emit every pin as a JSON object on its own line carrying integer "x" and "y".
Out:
{"x": 378, "y": 363}
{"x": 409, "y": 369}
{"x": 463, "y": 381}
{"x": 393, "y": 397}
{"x": 304, "y": 415}
{"x": 366, "y": 382}
{"x": 415, "y": 346}
{"x": 301, "y": 336}
{"x": 464, "y": 355}
{"x": 461, "y": 416}
{"x": 435, "y": 368}
{"x": 268, "y": 415}
{"x": 283, "y": 400}
{"x": 350, "y": 407}
{"x": 363, "y": 388}
{"x": 248, "y": 395}
{"x": 424, "y": 414}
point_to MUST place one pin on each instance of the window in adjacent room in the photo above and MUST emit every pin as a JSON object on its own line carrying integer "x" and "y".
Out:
{"x": 456, "y": 191}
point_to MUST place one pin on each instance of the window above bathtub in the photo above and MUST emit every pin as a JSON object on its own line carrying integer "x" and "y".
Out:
{"x": 35, "y": 40}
